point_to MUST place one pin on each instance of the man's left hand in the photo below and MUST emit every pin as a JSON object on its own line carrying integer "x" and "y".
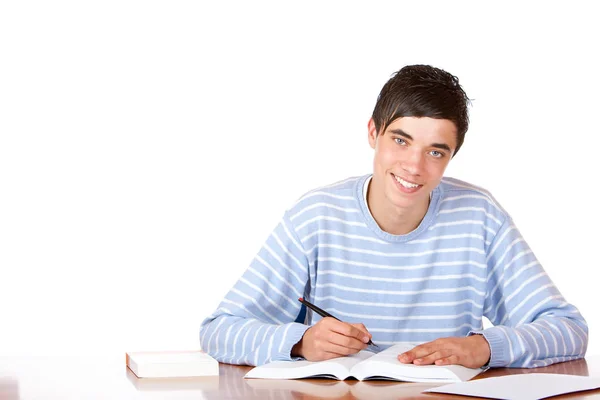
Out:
{"x": 471, "y": 352}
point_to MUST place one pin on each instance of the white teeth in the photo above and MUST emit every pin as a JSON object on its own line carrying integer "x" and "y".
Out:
{"x": 406, "y": 184}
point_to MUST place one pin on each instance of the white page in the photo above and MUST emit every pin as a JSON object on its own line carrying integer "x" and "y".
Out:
{"x": 521, "y": 386}
{"x": 386, "y": 364}
{"x": 338, "y": 367}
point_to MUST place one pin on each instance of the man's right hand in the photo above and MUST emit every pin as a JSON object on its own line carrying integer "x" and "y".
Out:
{"x": 330, "y": 338}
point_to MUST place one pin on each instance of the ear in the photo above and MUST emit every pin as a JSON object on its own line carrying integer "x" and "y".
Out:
{"x": 372, "y": 133}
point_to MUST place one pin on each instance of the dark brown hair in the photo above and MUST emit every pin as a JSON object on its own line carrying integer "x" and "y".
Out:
{"x": 423, "y": 91}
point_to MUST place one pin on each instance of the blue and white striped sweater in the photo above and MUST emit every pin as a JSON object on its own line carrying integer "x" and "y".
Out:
{"x": 464, "y": 261}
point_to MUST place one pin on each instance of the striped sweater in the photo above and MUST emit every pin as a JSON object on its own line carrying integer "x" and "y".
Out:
{"x": 464, "y": 261}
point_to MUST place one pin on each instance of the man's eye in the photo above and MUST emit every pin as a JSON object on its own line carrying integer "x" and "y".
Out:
{"x": 437, "y": 154}
{"x": 400, "y": 141}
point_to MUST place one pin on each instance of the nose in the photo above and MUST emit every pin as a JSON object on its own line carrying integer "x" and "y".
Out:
{"x": 412, "y": 163}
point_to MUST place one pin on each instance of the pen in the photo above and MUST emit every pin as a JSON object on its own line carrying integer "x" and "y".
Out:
{"x": 324, "y": 313}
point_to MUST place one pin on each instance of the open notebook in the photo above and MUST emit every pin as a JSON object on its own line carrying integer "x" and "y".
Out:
{"x": 365, "y": 365}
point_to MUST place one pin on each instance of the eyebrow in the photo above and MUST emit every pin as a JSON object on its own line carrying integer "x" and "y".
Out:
{"x": 441, "y": 146}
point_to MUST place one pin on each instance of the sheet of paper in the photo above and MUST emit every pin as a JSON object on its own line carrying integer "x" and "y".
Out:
{"x": 520, "y": 387}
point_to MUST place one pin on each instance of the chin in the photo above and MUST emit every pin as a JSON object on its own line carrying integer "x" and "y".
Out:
{"x": 403, "y": 200}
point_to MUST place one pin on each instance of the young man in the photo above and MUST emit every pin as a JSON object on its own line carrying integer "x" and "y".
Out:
{"x": 402, "y": 255}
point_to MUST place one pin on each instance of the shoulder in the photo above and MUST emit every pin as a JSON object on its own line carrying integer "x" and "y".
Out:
{"x": 340, "y": 192}
{"x": 339, "y": 198}
{"x": 461, "y": 195}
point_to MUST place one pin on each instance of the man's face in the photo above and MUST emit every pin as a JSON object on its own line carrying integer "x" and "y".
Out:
{"x": 410, "y": 158}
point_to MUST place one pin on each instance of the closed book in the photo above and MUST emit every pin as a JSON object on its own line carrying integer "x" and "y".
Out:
{"x": 171, "y": 364}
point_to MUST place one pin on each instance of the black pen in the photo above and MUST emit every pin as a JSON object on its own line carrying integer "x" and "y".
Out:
{"x": 324, "y": 313}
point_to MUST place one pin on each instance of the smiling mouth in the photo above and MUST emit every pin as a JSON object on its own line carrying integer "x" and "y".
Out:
{"x": 405, "y": 183}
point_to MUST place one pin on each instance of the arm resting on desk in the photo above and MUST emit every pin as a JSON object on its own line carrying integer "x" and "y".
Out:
{"x": 534, "y": 325}
{"x": 254, "y": 324}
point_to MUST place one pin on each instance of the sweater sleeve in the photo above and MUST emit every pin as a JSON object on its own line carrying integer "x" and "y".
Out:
{"x": 253, "y": 324}
{"x": 533, "y": 324}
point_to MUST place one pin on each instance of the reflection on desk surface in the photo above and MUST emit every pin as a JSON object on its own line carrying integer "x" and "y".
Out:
{"x": 9, "y": 388}
{"x": 309, "y": 389}
{"x": 30, "y": 377}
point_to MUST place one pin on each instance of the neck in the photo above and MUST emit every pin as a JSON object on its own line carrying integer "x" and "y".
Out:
{"x": 395, "y": 220}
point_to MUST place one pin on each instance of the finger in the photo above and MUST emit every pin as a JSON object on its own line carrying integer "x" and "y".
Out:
{"x": 362, "y": 328}
{"x": 319, "y": 353}
{"x": 329, "y": 355}
{"x": 348, "y": 330}
{"x": 419, "y": 351}
{"x": 451, "y": 360}
{"x": 433, "y": 357}
{"x": 340, "y": 350}
{"x": 328, "y": 331}
{"x": 346, "y": 341}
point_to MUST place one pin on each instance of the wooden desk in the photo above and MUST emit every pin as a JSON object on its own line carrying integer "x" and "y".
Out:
{"x": 106, "y": 377}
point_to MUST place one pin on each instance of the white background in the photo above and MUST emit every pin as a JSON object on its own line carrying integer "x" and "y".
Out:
{"x": 148, "y": 148}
